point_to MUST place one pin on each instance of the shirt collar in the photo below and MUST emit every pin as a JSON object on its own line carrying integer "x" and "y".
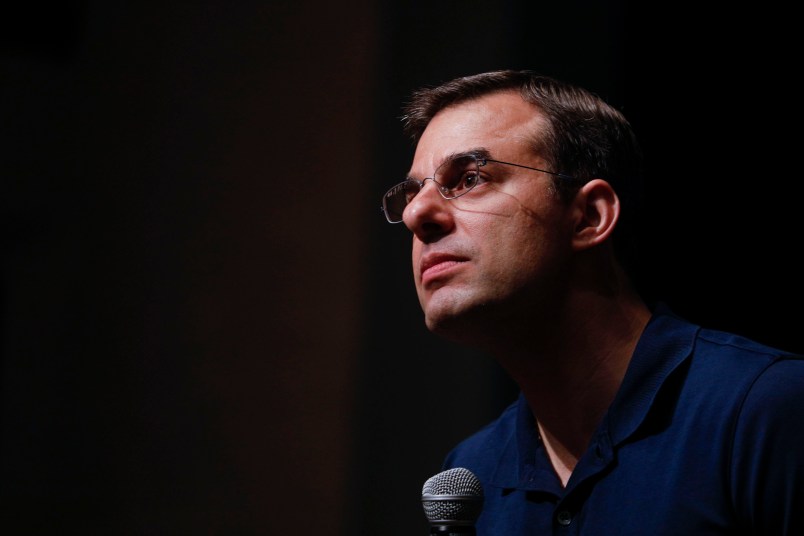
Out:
{"x": 665, "y": 343}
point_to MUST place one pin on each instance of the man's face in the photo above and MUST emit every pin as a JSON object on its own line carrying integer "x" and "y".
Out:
{"x": 497, "y": 253}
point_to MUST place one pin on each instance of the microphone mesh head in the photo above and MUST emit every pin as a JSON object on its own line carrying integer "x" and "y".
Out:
{"x": 452, "y": 497}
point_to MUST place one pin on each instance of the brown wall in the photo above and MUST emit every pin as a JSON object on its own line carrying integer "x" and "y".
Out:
{"x": 184, "y": 214}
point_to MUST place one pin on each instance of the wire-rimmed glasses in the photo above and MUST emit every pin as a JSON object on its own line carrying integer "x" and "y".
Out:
{"x": 457, "y": 176}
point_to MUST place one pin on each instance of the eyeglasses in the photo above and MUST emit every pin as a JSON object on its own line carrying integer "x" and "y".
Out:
{"x": 454, "y": 178}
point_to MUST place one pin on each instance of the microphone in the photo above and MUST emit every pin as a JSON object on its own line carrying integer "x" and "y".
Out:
{"x": 452, "y": 501}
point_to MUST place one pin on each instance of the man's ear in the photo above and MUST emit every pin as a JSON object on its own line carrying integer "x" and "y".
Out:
{"x": 597, "y": 209}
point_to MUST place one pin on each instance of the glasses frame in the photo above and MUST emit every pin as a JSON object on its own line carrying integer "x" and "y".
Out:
{"x": 444, "y": 191}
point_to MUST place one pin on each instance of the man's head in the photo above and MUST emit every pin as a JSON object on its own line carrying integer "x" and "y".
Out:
{"x": 528, "y": 164}
{"x": 583, "y": 136}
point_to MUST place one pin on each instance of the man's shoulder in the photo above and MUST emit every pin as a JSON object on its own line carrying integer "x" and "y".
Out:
{"x": 713, "y": 347}
{"x": 725, "y": 350}
{"x": 764, "y": 383}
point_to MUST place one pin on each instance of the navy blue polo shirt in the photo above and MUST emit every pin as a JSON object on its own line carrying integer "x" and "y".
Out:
{"x": 705, "y": 436}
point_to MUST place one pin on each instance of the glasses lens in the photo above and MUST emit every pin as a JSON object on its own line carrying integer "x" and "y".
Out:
{"x": 453, "y": 178}
{"x": 457, "y": 176}
{"x": 397, "y": 198}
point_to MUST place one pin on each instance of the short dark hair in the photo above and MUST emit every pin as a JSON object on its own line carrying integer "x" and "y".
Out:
{"x": 585, "y": 137}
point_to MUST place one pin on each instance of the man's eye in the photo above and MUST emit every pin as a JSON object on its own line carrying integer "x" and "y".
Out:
{"x": 467, "y": 181}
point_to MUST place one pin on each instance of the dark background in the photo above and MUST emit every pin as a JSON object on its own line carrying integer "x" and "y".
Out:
{"x": 207, "y": 325}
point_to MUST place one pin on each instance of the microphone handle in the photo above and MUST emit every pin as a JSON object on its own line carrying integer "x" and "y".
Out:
{"x": 452, "y": 530}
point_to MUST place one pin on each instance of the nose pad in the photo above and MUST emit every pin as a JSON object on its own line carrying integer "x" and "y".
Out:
{"x": 436, "y": 187}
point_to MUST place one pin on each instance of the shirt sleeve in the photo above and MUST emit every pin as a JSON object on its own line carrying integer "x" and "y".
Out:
{"x": 767, "y": 467}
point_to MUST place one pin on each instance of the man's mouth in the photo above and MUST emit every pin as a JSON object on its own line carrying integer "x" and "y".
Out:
{"x": 433, "y": 266}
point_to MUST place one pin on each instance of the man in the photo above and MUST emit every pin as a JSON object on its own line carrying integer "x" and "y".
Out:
{"x": 631, "y": 420}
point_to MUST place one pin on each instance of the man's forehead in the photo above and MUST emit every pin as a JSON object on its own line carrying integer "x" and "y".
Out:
{"x": 494, "y": 123}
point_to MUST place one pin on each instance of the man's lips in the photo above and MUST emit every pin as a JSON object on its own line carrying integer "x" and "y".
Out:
{"x": 436, "y": 264}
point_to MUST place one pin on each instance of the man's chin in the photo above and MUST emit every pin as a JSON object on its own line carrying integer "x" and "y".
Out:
{"x": 461, "y": 325}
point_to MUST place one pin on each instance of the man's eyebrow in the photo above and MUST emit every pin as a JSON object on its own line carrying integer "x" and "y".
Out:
{"x": 477, "y": 152}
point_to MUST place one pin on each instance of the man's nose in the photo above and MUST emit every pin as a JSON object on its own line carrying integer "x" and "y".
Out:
{"x": 428, "y": 214}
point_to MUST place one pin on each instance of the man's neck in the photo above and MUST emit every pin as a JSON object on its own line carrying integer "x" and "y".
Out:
{"x": 571, "y": 372}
